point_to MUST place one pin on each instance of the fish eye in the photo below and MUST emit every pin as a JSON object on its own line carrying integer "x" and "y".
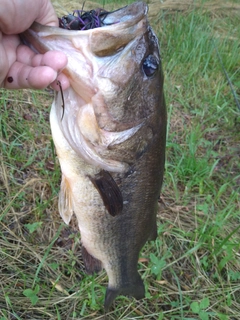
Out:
{"x": 150, "y": 65}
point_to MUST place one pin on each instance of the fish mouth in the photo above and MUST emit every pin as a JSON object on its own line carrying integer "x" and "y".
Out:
{"x": 120, "y": 29}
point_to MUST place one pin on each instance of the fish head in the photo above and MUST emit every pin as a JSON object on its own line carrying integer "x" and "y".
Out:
{"x": 129, "y": 72}
{"x": 116, "y": 81}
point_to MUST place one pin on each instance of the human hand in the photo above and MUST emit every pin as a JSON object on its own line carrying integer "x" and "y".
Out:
{"x": 20, "y": 67}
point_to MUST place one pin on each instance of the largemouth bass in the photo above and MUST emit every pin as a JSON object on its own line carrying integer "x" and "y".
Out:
{"x": 109, "y": 130}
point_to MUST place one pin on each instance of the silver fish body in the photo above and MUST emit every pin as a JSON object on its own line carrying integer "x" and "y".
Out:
{"x": 110, "y": 140}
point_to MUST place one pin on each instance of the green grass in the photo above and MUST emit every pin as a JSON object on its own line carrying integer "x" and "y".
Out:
{"x": 192, "y": 271}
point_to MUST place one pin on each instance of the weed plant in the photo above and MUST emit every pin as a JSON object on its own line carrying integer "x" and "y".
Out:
{"x": 192, "y": 271}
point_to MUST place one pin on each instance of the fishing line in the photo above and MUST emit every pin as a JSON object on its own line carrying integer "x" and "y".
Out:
{"x": 63, "y": 105}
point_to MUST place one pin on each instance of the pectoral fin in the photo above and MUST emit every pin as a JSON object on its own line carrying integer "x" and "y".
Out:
{"x": 65, "y": 201}
{"x": 109, "y": 192}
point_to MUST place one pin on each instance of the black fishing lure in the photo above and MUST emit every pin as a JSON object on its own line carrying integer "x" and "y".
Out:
{"x": 83, "y": 20}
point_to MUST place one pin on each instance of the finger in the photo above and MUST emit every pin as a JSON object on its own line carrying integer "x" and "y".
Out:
{"x": 57, "y": 60}
{"x": 21, "y": 14}
{"x": 47, "y": 15}
{"x": 54, "y": 59}
{"x": 23, "y": 76}
{"x": 63, "y": 80}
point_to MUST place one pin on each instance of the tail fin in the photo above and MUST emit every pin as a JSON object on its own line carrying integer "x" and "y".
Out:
{"x": 135, "y": 290}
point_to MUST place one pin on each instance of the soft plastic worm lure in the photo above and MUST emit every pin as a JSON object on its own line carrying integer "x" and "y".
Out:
{"x": 83, "y": 20}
